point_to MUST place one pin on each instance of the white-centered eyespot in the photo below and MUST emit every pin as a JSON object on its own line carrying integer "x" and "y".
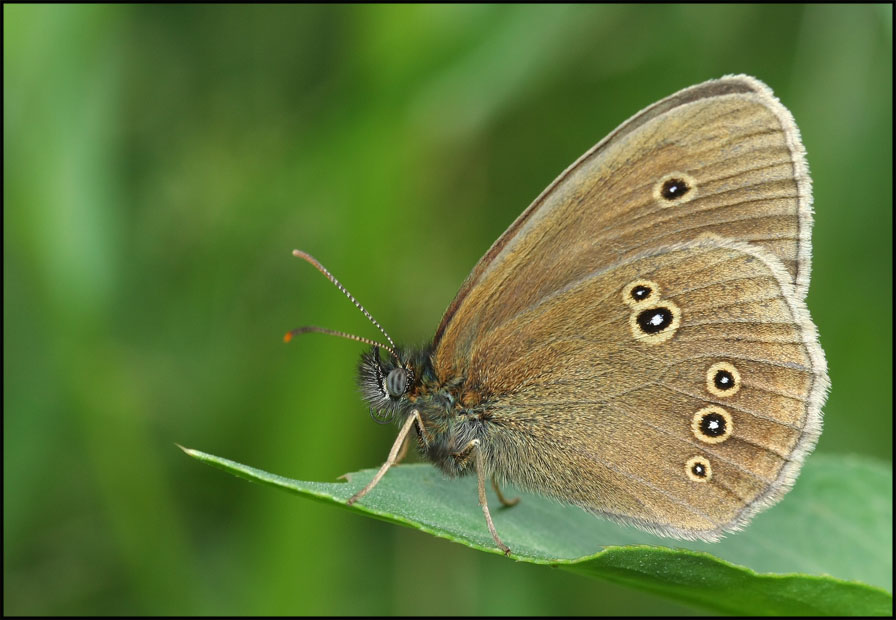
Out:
{"x": 723, "y": 380}
{"x": 712, "y": 424}
{"x": 655, "y": 323}
{"x": 698, "y": 469}
{"x": 640, "y": 293}
{"x": 675, "y": 189}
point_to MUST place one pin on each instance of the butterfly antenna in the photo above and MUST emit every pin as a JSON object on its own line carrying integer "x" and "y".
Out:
{"x": 301, "y": 330}
{"x": 330, "y": 332}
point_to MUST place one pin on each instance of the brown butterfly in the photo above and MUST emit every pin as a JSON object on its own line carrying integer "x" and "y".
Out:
{"x": 637, "y": 342}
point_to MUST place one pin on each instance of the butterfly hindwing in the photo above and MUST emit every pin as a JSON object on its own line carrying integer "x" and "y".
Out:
{"x": 683, "y": 411}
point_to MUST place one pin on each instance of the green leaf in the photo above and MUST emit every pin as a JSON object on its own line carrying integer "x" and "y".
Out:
{"x": 826, "y": 549}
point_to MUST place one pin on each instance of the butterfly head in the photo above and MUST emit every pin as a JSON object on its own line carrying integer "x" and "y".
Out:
{"x": 384, "y": 383}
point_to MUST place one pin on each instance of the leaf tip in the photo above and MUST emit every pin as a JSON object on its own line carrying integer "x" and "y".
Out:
{"x": 189, "y": 451}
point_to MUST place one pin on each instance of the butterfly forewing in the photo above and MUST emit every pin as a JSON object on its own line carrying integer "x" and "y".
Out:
{"x": 720, "y": 158}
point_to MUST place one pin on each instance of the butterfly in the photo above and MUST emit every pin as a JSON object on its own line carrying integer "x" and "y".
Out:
{"x": 637, "y": 342}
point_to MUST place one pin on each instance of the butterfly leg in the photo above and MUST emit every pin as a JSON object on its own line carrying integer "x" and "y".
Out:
{"x": 507, "y": 502}
{"x": 403, "y": 452}
{"x": 483, "y": 501}
{"x": 421, "y": 437}
{"x": 393, "y": 456}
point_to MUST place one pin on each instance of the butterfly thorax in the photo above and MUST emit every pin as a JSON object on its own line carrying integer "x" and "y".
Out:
{"x": 450, "y": 418}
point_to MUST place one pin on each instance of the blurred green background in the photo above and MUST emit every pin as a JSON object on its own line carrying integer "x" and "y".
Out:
{"x": 161, "y": 162}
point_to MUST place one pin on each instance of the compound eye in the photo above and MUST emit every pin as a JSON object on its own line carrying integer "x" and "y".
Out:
{"x": 397, "y": 382}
